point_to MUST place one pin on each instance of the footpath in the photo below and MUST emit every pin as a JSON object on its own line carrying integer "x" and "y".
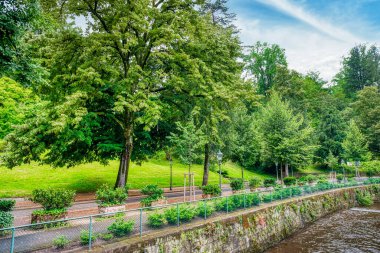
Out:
{"x": 85, "y": 203}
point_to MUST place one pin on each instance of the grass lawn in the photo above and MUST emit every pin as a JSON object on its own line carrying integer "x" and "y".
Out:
{"x": 20, "y": 181}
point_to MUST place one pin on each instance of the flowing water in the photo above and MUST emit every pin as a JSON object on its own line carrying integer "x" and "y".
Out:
{"x": 347, "y": 231}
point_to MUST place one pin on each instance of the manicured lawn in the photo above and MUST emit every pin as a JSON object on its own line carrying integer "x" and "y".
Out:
{"x": 20, "y": 181}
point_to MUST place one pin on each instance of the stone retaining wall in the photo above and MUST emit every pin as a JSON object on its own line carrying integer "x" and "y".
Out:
{"x": 251, "y": 230}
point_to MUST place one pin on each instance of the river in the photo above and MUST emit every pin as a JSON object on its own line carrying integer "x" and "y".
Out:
{"x": 347, "y": 231}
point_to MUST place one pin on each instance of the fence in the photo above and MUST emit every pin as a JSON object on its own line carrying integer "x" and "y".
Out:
{"x": 97, "y": 229}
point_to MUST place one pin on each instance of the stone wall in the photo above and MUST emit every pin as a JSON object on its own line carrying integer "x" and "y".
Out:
{"x": 251, "y": 230}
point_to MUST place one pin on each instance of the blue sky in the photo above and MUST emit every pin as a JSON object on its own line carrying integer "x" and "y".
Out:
{"x": 316, "y": 34}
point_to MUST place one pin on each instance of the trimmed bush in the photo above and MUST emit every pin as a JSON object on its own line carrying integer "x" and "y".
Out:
{"x": 85, "y": 237}
{"x": 7, "y": 205}
{"x": 340, "y": 177}
{"x": 60, "y": 242}
{"x": 237, "y": 184}
{"x": 205, "y": 208}
{"x": 252, "y": 199}
{"x": 121, "y": 227}
{"x": 51, "y": 199}
{"x": 255, "y": 182}
{"x": 153, "y": 193}
{"x": 6, "y": 220}
{"x": 107, "y": 196}
{"x": 156, "y": 220}
{"x": 213, "y": 190}
{"x": 268, "y": 182}
{"x": 290, "y": 181}
{"x": 186, "y": 213}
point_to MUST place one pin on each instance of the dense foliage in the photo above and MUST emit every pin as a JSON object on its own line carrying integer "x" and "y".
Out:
{"x": 139, "y": 77}
{"x": 107, "y": 196}
{"x": 53, "y": 199}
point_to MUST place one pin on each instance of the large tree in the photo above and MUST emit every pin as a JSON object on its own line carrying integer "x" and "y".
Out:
{"x": 285, "y": 137}
{"x": 355, "y": 145}
{"x": 17, "y": 17}
{"x": 360, "y": 68}
{"x": 112, "y": 82}
{"x": 366, "y": 111}
{"x": 262, "y": 62}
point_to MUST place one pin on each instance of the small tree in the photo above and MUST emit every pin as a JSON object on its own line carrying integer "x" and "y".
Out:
{"x": 187, "y": 143}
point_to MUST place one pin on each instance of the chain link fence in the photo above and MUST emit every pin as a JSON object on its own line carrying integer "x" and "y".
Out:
{"x": 98, "y": 229}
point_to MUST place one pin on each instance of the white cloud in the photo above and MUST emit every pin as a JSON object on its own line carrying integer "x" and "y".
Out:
{"x": 321, "y": 25}
{"x": 306, "y": 49}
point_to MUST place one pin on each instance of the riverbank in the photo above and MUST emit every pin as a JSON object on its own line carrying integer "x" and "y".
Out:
{"x": 251, "y": 230}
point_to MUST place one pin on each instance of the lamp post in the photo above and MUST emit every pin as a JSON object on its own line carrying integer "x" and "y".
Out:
{"x": 357, "y": 164}
{"x": 277, "y": 169}
{"x": 171, "y": 172}
{"x": 219, "y": 157}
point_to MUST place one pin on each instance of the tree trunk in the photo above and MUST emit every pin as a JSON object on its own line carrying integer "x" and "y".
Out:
{"x": 125, "y": 160}
{"x": 206, "y": 164}
{"x": 286, "y": 170}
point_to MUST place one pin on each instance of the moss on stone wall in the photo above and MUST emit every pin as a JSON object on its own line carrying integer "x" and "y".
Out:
{"x": 252, "y": 230}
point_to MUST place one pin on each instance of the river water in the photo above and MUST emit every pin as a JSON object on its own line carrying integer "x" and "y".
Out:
{"x": 347, "y": 231}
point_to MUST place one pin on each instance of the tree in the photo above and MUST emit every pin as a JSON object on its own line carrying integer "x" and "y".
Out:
{"x": 366, "y": 110}
{"x": 355, "y": 145}
{"x": 262, "y": 63}
{"x": 109, "y": 85}
{"x": 286, "y": 138}
{"x": 187, "y": 143}
{"x": 219, "y": 12}
{"x": 15, "y": 100}
{"x": 360, "y": 68}
{"x": 17, "y": 17}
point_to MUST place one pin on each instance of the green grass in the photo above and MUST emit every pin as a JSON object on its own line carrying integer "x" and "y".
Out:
{"x": 311, "y": 169}
{"x": 20, "y": 181}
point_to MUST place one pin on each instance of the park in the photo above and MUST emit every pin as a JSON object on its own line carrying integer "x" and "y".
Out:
{"x": 184, "y": 126}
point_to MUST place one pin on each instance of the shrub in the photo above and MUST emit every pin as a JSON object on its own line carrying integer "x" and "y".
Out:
{"x": 364, "y": 198}
{"x": 153, "y": 193}
{"x": 296, "y": 191}
{"x": 255, "y": 182}
{"x": 106, "y": 237}
{"x": 252, "y": 199}
{"x": 290, "y": 181}
{"x": 156, "y": 220}
{"x": 371, "y": 172}
{"x": 213, "y": 190}
{"x": 121, "y": 227}
{"x": 237, "y": 184}
{"x": 225, "y": 174}
{"x": 6, "y": 219}
{"x": 7, "y": 205}
{"x": 268, "y": 182}
{"x": 60, "y": 242}
{"x": 107, "y": 196}
{"x": 53, "y": 198}
{"x": 85, "y": 237}
{"x": 340, "y": 177}
{"x": 186, "y": 213}
{"x": 205, "y": 208}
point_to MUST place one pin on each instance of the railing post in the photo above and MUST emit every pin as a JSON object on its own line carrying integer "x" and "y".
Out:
{"x": 227, "y": 203}
{"x": 13, "y": 240}
{"x": 205, "y": 208}
{"x": 90, "y": 234}
{"x": 177, "y": 214}
{"x": 141, "y": 214}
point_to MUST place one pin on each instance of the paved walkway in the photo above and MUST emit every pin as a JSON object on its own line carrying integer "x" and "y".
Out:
{"x": 84, "y": 207}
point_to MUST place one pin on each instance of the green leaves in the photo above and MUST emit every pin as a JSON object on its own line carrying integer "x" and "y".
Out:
{"x": 355, "y": 145}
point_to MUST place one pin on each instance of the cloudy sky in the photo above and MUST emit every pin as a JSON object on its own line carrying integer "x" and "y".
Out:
{"x": 316, "y": 34}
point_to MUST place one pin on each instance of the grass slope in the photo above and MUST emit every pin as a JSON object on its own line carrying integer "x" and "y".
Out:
{"x": 20, "y": 181}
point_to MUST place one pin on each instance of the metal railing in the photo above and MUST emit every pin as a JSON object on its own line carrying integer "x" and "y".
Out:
{"x": 91, "y": 230}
